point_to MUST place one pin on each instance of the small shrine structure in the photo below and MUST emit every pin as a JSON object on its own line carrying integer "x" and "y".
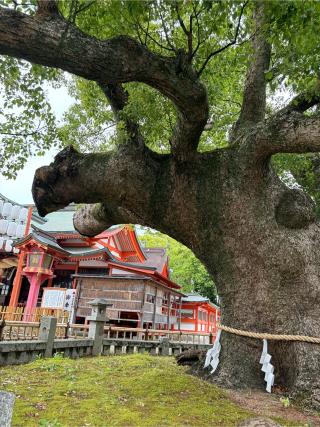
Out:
{"x": 199, "y": 314}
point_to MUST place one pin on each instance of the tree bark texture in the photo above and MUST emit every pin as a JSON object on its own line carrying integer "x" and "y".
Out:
{"x": 257, "y": 238}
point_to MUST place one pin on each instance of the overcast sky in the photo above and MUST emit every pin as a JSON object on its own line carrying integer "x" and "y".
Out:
{"x": 19, "y": 190}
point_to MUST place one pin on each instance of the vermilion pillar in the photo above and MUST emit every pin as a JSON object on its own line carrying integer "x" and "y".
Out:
{"x": 197, "y": 318}
{"x": 35, "y": 280}
{"x": 35, "y": 283}
{"x": 17, "y": 282}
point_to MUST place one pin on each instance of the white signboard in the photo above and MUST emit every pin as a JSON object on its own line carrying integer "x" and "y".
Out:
{"x": 69, "y": 303}
{"x": 70, "y": 299}
{"x": 53, "y": 298}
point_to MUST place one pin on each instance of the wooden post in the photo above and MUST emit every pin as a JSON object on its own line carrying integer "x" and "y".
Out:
{"x": 2, "y": 325}
{"x": 168, "y": 316}
{"x": 74, "y": 281}
{"x": 197, "y": 318}
{"x": 17, "y": 281}
{"x": 140, "y": 322}
{"x": 154, "y": 310}
{"x": 146, "y": 333}
{"x": 35, "y": 282}
{"x": 66, "y": 331}
{"x": 211, "y": 338}
{"x": 179, "y": 318}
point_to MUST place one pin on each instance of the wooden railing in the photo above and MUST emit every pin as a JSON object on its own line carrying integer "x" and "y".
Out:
{"x": 17, "y": 330}
{"x": 156, "y": 335}
{"x": 78, "y": 331}
{"x": 18, "y": 314}
{"x": 114, "y": 332}
{"x": 11, "y": 330}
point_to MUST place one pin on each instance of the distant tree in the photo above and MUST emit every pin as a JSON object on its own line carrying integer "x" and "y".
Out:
{"x": 184, "y": 266}
{"x": 27, "y": 124}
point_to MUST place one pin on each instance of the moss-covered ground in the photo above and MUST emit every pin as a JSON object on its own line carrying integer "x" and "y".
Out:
{"x": 130, "y": 390}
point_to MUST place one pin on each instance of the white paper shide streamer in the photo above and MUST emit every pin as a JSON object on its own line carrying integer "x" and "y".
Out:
{"x": 267, "y": 368}
{"x": 212, "y": 358}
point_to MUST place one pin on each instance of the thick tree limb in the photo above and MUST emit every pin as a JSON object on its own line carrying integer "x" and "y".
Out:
{"x": 90, "y": 220}
{"x": 289, "y": 130}
{"x": 53, "y": 42}
{"x": 254, "y": 97}
{"x": 125, "y": 190}
{"x": 287, "y": 133}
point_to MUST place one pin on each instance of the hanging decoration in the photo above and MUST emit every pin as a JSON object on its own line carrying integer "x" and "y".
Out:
{"x": 13, "y": 223}
{"x": 212, "y": 358}
{"x": 267, "y": 368}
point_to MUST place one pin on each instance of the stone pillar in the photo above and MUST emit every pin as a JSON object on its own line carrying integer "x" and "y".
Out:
{"x": 6, "y": 408}
{"x": 165, "y": 346}
{"x": 97, "y": 321}
{"x": 47, "y": 332}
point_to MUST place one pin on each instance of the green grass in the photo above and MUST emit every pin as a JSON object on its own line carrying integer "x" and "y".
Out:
{"x": 130, "y": 390}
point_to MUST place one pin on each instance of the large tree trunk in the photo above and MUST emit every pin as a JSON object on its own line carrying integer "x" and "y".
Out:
{"x": 266, "y": 266}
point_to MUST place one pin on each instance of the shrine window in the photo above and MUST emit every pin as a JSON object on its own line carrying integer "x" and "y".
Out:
{"x": 150, "y": 298}
{"x": 63, "y": 279}
{"x": 187, "y": 313}
{"x": 94, "y": 271}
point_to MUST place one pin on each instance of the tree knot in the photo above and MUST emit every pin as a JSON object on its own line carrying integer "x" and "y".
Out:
{"x": 295, "y": 209}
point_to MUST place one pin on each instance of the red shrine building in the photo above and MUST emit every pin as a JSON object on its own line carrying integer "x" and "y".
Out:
{"x": 55, "y": 267}
{"x": 199, "y": 314}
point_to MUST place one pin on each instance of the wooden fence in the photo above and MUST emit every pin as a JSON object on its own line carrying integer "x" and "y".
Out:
{"x": 18, "y": 314}
{"x": 12, "y": 330}
{"x": 19, "y": 330}
{"x": 114, "y": 332}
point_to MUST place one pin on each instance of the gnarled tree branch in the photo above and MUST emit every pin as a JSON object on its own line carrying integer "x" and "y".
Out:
{"x": 126, "y": 193}
{"x": 288, "y": 132}
{"x": 114, "y": 61}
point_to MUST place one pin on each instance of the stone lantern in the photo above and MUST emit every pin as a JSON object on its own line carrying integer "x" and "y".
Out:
{"x": 97, "y": 321}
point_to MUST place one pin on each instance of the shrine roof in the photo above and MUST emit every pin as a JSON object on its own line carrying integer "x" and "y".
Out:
{"x": 43, "y": 238}
{"x": 191, "y": 297}
{"x": 141, "y": 269}
{"x": 59, "y": 221}
{"x": 89, "y": 251}
{"x": 197, "y": 298}
{"x": 48, "y": 240}
{"x": 155, "y": 257}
